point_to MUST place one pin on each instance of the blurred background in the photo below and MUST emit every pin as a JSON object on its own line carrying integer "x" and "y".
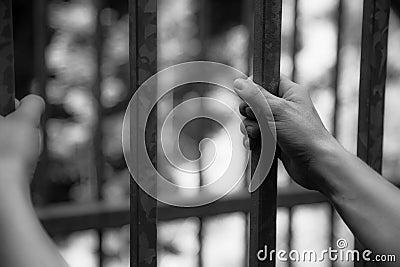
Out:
{"x": 75, "y": 54}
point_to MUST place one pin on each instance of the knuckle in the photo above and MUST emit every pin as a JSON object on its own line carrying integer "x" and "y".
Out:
{"x": 277, "y": 104}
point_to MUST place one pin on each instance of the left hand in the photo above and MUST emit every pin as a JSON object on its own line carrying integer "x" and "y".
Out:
{"x": 20, "y": 137}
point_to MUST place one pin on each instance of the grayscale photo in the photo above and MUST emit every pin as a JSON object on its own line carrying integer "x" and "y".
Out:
{"x": 199, "y": 133}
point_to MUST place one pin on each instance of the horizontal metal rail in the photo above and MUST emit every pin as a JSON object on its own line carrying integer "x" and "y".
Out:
{"x": 67, "y": 218}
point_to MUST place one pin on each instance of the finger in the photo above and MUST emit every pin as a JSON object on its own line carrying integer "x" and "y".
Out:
{"x": 285, "y": 85}
{"x": 249, "y": 122}
{"x": 249, "y": 143}
{"x": 252, "y": 129}
{"x": 16, "y": 103}
{"x": 246, "y": 111}
{"x": 246, "y": 143}
{"x": 30, "y": 109}
{"x": 243, "y": 128}
{"x": 249, "y": 113}
{"x": 242, "y": 108}
{"x": 252, "y": 94}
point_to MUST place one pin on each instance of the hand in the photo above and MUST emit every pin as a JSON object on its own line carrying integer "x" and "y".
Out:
{"x": 20, "y": 138}
{"x": 301, "y": 135}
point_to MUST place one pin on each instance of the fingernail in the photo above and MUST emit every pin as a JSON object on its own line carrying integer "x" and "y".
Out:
{"x": 238, "y": 84}
{"x": 249, "y": 129}
{"x": 248, "y": 111}
{"x": 246, "y": 143}
{"x": 242, "y": 128}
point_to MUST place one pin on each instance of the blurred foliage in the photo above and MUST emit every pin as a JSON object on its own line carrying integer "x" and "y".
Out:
{"x": 188, "y": 30}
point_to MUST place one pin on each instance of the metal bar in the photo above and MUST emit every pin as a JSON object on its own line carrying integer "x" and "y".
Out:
{"x": 7, "y": 82}
{"x": 338, "y": 65}
{"x": 373, "y": 81}
{"x": 248, "y": 17}
{"x": 98, "y": 129}
{"x": 247, "y": 14}
{"x": 375, "y": 30}
{"x": 295, "y": 50}
{"x": 266, "y": 69}
{"x": 202, "y": 16}
{"x": 68, "y": 218}
{"x": 337, "y": 104}
{"x": 40, "y": 181}
{"x": 143, "y": 64}
{"x": 295, "y": 38}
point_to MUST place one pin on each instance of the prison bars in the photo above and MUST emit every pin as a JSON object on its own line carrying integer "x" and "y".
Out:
{"x": 68, "y": 218}
{"x": 337, "y": 104}
{"x": 98, "y": 135}
{"x": 7, "y": 90}
{"x": 375, "y": 30}
{"x": 295, "y": 50}
{"x": 143, "y": 64}
{"x": 266, "y": 71}
{"x": 40, "y": 180}
{"x": 8, "y": 77}
{"x": 373, "y": 81}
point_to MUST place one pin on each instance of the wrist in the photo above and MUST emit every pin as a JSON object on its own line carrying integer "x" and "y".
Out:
{"x": 330, "y": 157}
{"x": 13, "y": 176}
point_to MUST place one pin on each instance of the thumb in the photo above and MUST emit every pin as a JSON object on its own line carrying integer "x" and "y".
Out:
{"x": 261, "y": 102}
{"x": 30, "y": 109}
{"x": 254, "y": 95}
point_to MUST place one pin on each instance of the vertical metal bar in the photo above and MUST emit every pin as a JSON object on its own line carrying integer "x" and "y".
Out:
{"x": 40, "y": 180}
{"x": 295, "y": 38}
{"x": 98, "y": 129}
{"x": 248, "y": 18}
{"x": 204, "y": 27}
{"x": 338, "y": 65}
{"x": 336, "y": 80}
{"x": 7, "y": 90}
{"x": 373, "y": 81}
{"x": 374, "y": 43}
{"x": 200, "y": 262}
{"x": 295, "y": 50}
{"x": 248, "y": 10}
{"x": 143, "y": 64}
{"x": 266, "y": 69}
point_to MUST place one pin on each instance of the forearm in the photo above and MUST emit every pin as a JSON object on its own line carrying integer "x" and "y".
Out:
{"x": 24, "y": 242}
{"x": 366, "y": 201}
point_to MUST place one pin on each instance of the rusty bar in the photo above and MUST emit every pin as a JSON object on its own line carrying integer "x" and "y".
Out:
{"x": 266, "y": 70}
{"x": 295, "y": 38}
{"x": 68, "y": 218}
{"x": 295, "y": 50}
{"x": 247, "y": 18}
{"x": 40, "y": 180}
{"x": 373, "y": 81}
{"x": 375, "y": 30}
{"x": 7, "y": 82}
{"x": 143, "y": 64}
{"x": 338, "y": 65}
{"x": 40, "y": 30}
